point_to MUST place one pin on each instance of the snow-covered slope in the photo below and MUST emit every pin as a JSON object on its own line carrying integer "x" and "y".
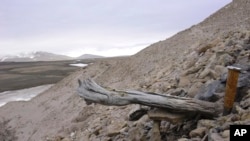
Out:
{"x": 89, "y": 56}
{"x": 34, "y": 56}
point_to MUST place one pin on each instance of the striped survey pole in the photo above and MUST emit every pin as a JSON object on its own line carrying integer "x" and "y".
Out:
{"x": 231, "y": 88}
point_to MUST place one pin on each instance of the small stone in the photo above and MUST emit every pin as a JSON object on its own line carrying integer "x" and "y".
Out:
{"x": 194, "y": 89}
{"x": 198, "y": 132}
{"x": 206, "y": 123}
{"x": 142, "y": 120}
{"x": 184, "y": 81}
{"x": 204, "y": 73}
{"x": 96, "y": 131}
{"x": 66, "y": 139}
{"x": 115, "y": 127}
{"x": 225, "y": 59}
{"x": 183, "y": 139}
{"x": 134, "y": 134}
{"x": 72, "y": 135}
{"x": 177, "y": 92}
{"x": 207, "y": 92}
{"x": 246, "y": 102}
{"x": 105, "y": 139}
{"x": 93, "y": 138}
{"x": 111, "y": 108}
{"x": 196, "y": 139}
{"x": 245, "y": 116}
{"x": 215, "y": 137}
{"x": 225, "y": 126}
{"x": 239, "y": 110}
{"x": 219, "y": 70}
{"x": 188, "y": 125}
{"x": 85, "y": 135}
{"x": 225, "y": 134}
{"x": 235, "y": 118}
{"x": 124, "y": 130}
{"x": 58, "y": 138}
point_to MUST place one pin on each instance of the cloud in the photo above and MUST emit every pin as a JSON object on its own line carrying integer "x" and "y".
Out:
{"x": 76, "y": 43}
{"x": 98, "y": 26}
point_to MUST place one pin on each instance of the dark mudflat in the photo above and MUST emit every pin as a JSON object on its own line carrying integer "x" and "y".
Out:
{"x": 20, "y": 75}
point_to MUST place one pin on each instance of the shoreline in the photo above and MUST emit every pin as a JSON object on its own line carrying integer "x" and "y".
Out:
{"x": 22, "y": 94}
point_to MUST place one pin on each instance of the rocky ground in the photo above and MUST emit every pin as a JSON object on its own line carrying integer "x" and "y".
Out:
{"x": 190, "y": 64}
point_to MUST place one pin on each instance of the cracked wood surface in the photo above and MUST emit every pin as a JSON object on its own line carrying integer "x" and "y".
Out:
{"x": 93, "y": 93}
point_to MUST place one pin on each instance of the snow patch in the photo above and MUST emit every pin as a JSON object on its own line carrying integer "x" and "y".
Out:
{"x": 79, "y": 65}
{"x": 4, "y": 58}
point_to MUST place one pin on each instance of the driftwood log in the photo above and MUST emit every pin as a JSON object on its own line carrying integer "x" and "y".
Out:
{"x": 93, "y": 93}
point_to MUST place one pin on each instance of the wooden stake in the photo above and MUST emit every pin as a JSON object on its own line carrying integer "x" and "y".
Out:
{"x": 231, "y": 87}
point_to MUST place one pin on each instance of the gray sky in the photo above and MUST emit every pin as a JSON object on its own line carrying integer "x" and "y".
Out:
{"x": 102, "y": 27}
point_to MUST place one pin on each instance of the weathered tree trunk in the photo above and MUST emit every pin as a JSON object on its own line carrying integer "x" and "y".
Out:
{"x": 92, "y": 92}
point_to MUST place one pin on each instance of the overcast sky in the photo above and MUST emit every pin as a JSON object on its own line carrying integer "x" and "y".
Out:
{"x": 101, "y": 27}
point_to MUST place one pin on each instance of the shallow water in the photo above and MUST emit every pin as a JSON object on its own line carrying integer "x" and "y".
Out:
{"x": 23, "y": 94}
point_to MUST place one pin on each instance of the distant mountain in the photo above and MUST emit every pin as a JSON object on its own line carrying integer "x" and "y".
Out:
{"x": 89, "y": 56}
{"x": 34, "y": 56}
